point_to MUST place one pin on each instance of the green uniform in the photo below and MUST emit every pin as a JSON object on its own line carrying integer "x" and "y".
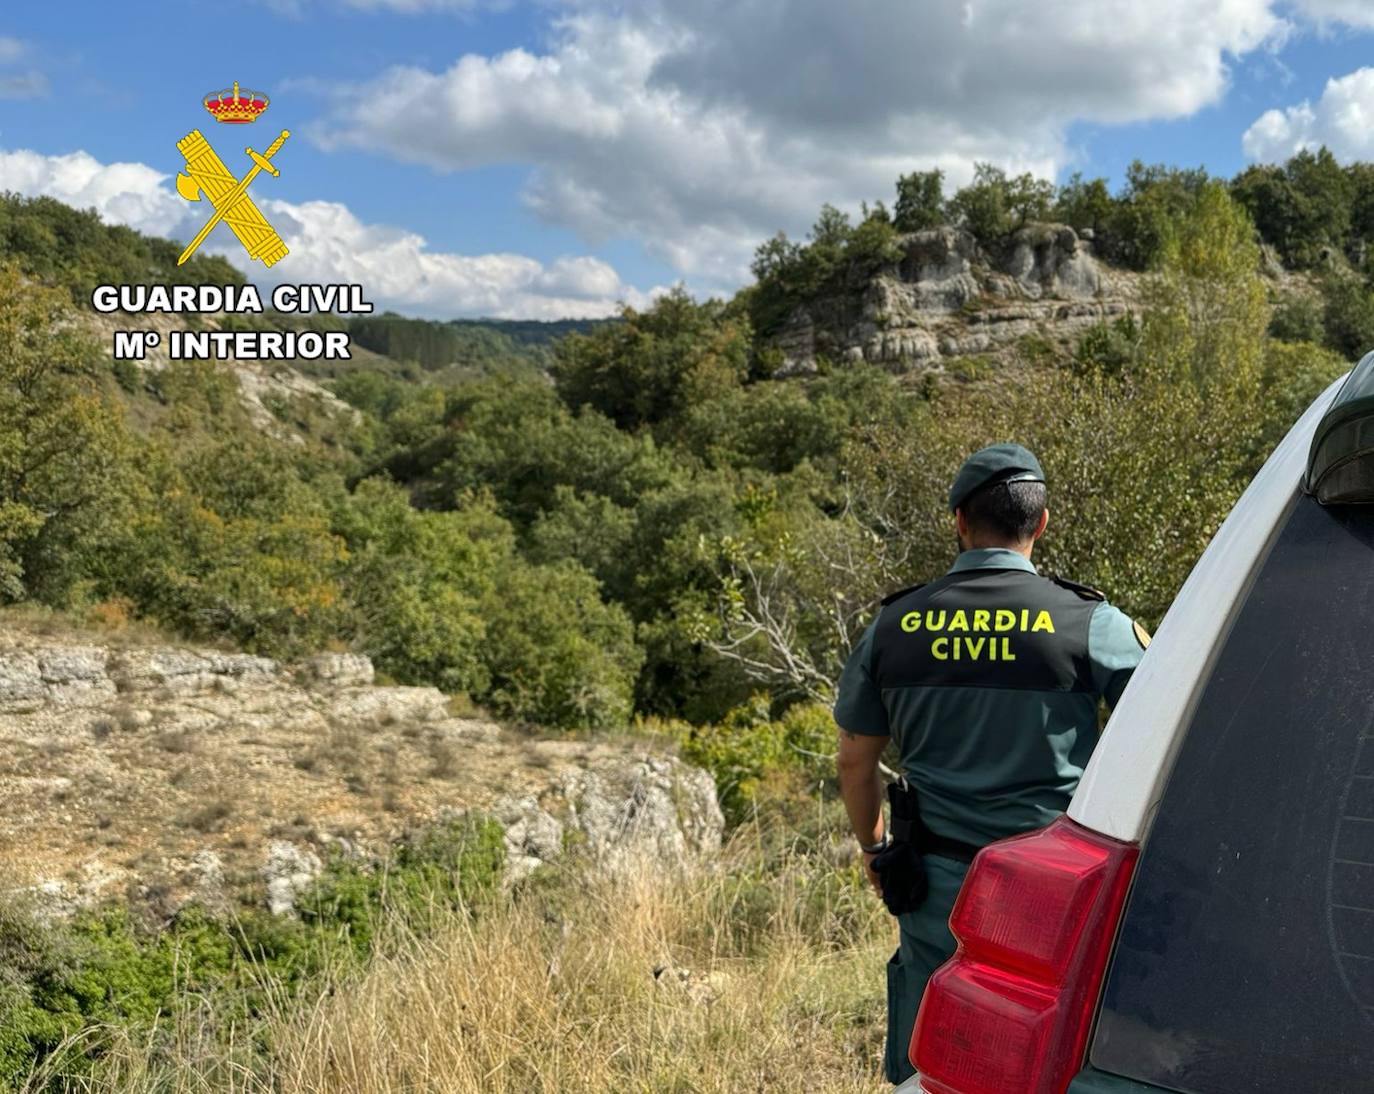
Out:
{"x": 989, "y": 680}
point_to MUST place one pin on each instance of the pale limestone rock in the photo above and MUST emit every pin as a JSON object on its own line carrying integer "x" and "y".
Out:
{"x": 533, "y": 836}
{"x": 344, "y": 670}
{"x": 654, "y": 805}
{"x": 206, "y": 880}
{"x": 289, "y": 871}
{"x": 945, "y": 286}
{"x": 647, "y": 808}
{"x": 21, "y": 683}
{"x": 186, "y": 672}
{"x": 62, "y": 677}
{"x": 386, "y": 705}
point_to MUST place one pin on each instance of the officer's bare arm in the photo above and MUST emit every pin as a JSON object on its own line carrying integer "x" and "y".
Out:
{"x": 860, "y": 785}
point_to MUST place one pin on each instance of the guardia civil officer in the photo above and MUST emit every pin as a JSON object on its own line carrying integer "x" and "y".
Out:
{"x": 988, "y": 681}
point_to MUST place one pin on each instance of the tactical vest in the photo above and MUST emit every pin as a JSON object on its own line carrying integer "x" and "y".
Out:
{"x": 990, "y": 694}
{"x": 985, "y": 628}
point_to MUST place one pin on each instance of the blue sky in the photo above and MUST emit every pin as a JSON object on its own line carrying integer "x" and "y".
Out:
{"x": 460, "y": 157}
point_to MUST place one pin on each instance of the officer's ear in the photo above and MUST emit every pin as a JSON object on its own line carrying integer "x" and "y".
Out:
{"x": 961, "y": 525}
{"x": 1044, "y": 523}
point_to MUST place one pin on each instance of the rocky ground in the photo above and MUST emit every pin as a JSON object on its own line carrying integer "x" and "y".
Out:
{"x": 165, "y": 774}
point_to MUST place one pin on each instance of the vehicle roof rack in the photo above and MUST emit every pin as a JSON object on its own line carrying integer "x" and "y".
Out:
{"x": 1340, "y": 466}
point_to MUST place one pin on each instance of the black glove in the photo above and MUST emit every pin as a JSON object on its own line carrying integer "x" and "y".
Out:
{"x": 903, "y": 877}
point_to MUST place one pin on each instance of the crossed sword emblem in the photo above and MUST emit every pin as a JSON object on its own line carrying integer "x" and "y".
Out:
{"x": 230, "y": 197}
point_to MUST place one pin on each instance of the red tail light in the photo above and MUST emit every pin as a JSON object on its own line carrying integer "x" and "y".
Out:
{"x": 1035, "y": 921}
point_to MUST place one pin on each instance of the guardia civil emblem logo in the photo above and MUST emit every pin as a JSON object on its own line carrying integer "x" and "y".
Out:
{"x": 206, "y": 174}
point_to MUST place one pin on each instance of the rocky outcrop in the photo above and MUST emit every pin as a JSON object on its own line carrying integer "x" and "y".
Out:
{"x": 168, "y": 774}
{"x": 289, "y": 871}
{"x": 652, "y": 809}
{"x": 947, "y": 298}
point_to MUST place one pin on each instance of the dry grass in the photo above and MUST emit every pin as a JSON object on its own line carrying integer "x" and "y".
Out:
{"x": 736, "y": 978}
{"x": 110, "y": 623}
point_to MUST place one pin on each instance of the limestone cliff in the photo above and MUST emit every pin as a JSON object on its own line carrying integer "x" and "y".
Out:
{"x": 948, "y": 298}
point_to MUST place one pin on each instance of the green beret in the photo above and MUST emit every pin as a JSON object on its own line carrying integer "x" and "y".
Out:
{"x": 996, "y": 463}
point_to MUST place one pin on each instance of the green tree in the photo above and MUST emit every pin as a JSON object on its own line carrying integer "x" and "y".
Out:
{"x": 1084, "y": 203}
{"x": 418, "y": 582}
{"x": 520, "y": 442}
{"x": 1348, "y": 316}
{"x": 1148, "y": 210}
{"x": 994, "y": 206}
{"x": 1301, "y": 208}
{"x": 63, "y": 450}
{"x": 1361, "y": 176}
{"x": 983, "y": 207}
{"x": 920, "y": 201}
{"x": 649, "y": 369}
{"x": 222, "y": 547}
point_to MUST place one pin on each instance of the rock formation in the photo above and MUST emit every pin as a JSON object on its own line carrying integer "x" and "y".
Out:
{"x": 947, "y": 298}
{"x": 165, "y": 774}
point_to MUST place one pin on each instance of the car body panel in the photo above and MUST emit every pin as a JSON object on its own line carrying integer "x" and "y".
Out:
{"x": 1092, "y": 1081}
{"x": 1246, "y": 952}
{"x": 1125, "y": 779}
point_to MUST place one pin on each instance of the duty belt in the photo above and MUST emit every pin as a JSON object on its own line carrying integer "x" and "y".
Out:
{"x": 906, "y": 826}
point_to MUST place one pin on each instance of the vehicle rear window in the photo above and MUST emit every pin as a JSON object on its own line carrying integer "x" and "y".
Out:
{"x": 1246, "y": 956}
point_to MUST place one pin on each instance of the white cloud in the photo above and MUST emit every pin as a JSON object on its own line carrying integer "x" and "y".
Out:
{"x": 701, "y": 128}
{"x": 330, "y": 244}
{"x": 28, "y": 83}
{"x": 1342, "y": 119}
{"x": 123, "y": 193}
{"x": 1351, "y": 13}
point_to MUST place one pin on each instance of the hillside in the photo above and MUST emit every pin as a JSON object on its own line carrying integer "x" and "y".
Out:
{"x": 167, "y": 774}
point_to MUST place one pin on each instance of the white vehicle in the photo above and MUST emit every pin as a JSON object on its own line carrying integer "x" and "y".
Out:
{"x": 1202, "y": 920}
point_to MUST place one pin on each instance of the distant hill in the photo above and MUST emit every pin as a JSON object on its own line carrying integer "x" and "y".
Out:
{"x": 533, "y": 332}
{"x": 465, "y": 345}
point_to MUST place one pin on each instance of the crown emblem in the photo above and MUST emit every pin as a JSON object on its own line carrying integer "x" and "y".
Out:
{"x": 234, "y": 106}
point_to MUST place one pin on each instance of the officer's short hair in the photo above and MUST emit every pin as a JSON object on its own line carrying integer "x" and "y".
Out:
{"x": 1008, "y": 510}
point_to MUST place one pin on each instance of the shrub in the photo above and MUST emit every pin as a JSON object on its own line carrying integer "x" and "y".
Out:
{"x": 1295, "y": 373}
{"x": 454, "y": 864}
{"x": 1109, "y": 348}
{"x": 107, "y": 974}
{"x": 1348, "y": 317}
{"x": 417, "y": 580}
{"x": 651, "y": 367}
{"x": 556, "y": 653}
{"x": 748, "y": 748}
{"x": 1298, "y": 318}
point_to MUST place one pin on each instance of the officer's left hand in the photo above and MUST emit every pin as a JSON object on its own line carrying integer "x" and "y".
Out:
{"x": 873, "y": 878}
